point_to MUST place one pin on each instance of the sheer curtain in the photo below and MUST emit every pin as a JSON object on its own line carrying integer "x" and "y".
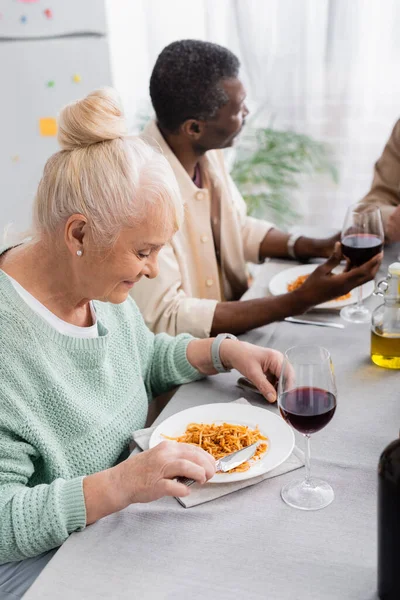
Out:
{"x": 328, "y": 68}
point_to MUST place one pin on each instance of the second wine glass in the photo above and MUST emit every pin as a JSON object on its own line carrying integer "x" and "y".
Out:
{"x": 362, "y": 238}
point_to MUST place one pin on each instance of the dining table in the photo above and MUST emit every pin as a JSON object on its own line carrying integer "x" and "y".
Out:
{"x": 250, "y": 544}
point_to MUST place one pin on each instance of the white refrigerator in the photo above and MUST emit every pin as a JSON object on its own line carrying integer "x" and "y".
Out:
{"x": 51, "y": 52}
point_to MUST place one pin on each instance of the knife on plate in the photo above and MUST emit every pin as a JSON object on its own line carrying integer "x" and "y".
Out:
{"x": 228, "y": 462}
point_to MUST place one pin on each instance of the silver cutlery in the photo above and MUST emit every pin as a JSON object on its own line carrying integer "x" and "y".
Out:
{"x": 245, "y": 384}
{"x": 228, "y": 462}
{"x": 319, "y": 323}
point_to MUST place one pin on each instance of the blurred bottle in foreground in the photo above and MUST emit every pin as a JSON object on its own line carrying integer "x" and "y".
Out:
{"x": 389, "y": 522}
{"x": 385, "y": 324}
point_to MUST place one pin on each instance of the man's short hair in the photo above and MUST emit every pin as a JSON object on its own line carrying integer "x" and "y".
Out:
{"x": 186, "y": 81}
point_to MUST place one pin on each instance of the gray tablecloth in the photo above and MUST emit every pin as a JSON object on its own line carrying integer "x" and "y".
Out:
{"x": 250, "y": 544}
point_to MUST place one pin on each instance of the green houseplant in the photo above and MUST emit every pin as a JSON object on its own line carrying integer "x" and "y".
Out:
{"x": 269, "y": 167}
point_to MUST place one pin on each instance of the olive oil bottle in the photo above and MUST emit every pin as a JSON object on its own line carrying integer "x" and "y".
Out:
{"x": 385, "y": 330}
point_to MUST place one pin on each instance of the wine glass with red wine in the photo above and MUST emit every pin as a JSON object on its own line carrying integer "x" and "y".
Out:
{"x": 307, "y": 401}
{"x": 362, "y": 238}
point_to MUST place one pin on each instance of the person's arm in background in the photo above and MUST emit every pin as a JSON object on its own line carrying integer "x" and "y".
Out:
{"x": 261, "y": 239}
{"x": 167, "y": 308}
{"x": 320, "y": 286}
{"x": 385, "y": 187}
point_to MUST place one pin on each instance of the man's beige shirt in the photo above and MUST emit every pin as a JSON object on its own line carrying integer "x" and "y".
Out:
{"x": 385, "y": 189}
{"x": 183, "y": 296}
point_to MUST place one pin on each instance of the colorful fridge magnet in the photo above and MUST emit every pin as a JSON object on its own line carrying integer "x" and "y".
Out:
{"x": 48, "y": 13}
{"x": 15, "y": 158}
{"x": 51, "y": 83}
{"x": 48, "y": 126}
{"x": 76, "y": 78}
{"x": 23, "y": 19}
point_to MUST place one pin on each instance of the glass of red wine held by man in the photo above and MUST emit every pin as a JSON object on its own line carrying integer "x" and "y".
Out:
{"x": 362, "y": 238}
{"x": 307, "y": 401}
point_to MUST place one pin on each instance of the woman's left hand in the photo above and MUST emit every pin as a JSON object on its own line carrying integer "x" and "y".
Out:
{"x": 255, "y": 363}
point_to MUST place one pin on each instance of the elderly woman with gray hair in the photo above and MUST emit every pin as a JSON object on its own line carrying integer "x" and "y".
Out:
{"x": 77, "y": 363}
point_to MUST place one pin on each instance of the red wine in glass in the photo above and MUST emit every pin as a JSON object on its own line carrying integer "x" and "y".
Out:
{"x": 307, "y": 409}
{"x": 307, "y": 401}
{"x": 361, "y": 247}
{"x": 362, "y": 238}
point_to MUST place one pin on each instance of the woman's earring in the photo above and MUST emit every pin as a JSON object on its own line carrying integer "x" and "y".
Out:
{"x": 79, "y": 252}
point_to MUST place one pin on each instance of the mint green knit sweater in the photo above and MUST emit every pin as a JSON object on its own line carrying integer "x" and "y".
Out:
{"x": 68, "y": 407}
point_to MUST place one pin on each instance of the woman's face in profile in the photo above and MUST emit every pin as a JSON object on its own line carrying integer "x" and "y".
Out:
{"x": 108, "y": 275}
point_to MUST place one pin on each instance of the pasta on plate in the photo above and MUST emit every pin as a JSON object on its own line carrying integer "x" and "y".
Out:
{"x": 223, "y": 439}
{"x": 294, "y": 285}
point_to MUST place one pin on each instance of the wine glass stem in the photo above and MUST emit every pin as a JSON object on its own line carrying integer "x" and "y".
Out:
{"x": 360, "y": 296}
{"x": 307, "y": 458}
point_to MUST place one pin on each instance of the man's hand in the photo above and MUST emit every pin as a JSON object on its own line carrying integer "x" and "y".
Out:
{"x": 323, "y": 285}
{"x": 393, "y": 226}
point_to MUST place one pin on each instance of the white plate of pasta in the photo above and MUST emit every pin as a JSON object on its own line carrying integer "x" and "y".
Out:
{"x": 290, "y": 279}
{"x": 223, "y": 428}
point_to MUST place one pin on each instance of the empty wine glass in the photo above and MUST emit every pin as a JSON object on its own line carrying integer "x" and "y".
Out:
{"x": 362, "y": 238}
{"x": 307, "y": 401}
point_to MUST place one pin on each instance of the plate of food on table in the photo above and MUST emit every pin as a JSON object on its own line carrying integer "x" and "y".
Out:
{"x": 221, "y": 429}
{"x": 291, "y": 279}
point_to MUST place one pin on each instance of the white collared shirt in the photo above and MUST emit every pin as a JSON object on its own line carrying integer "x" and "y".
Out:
{"x": 183, "y": 296}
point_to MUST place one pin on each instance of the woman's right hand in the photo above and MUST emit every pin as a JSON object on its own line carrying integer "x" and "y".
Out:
{"x": 323, "y": 285}
{"x": 152, "y": 474}
{"x": 145, "y": 477}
